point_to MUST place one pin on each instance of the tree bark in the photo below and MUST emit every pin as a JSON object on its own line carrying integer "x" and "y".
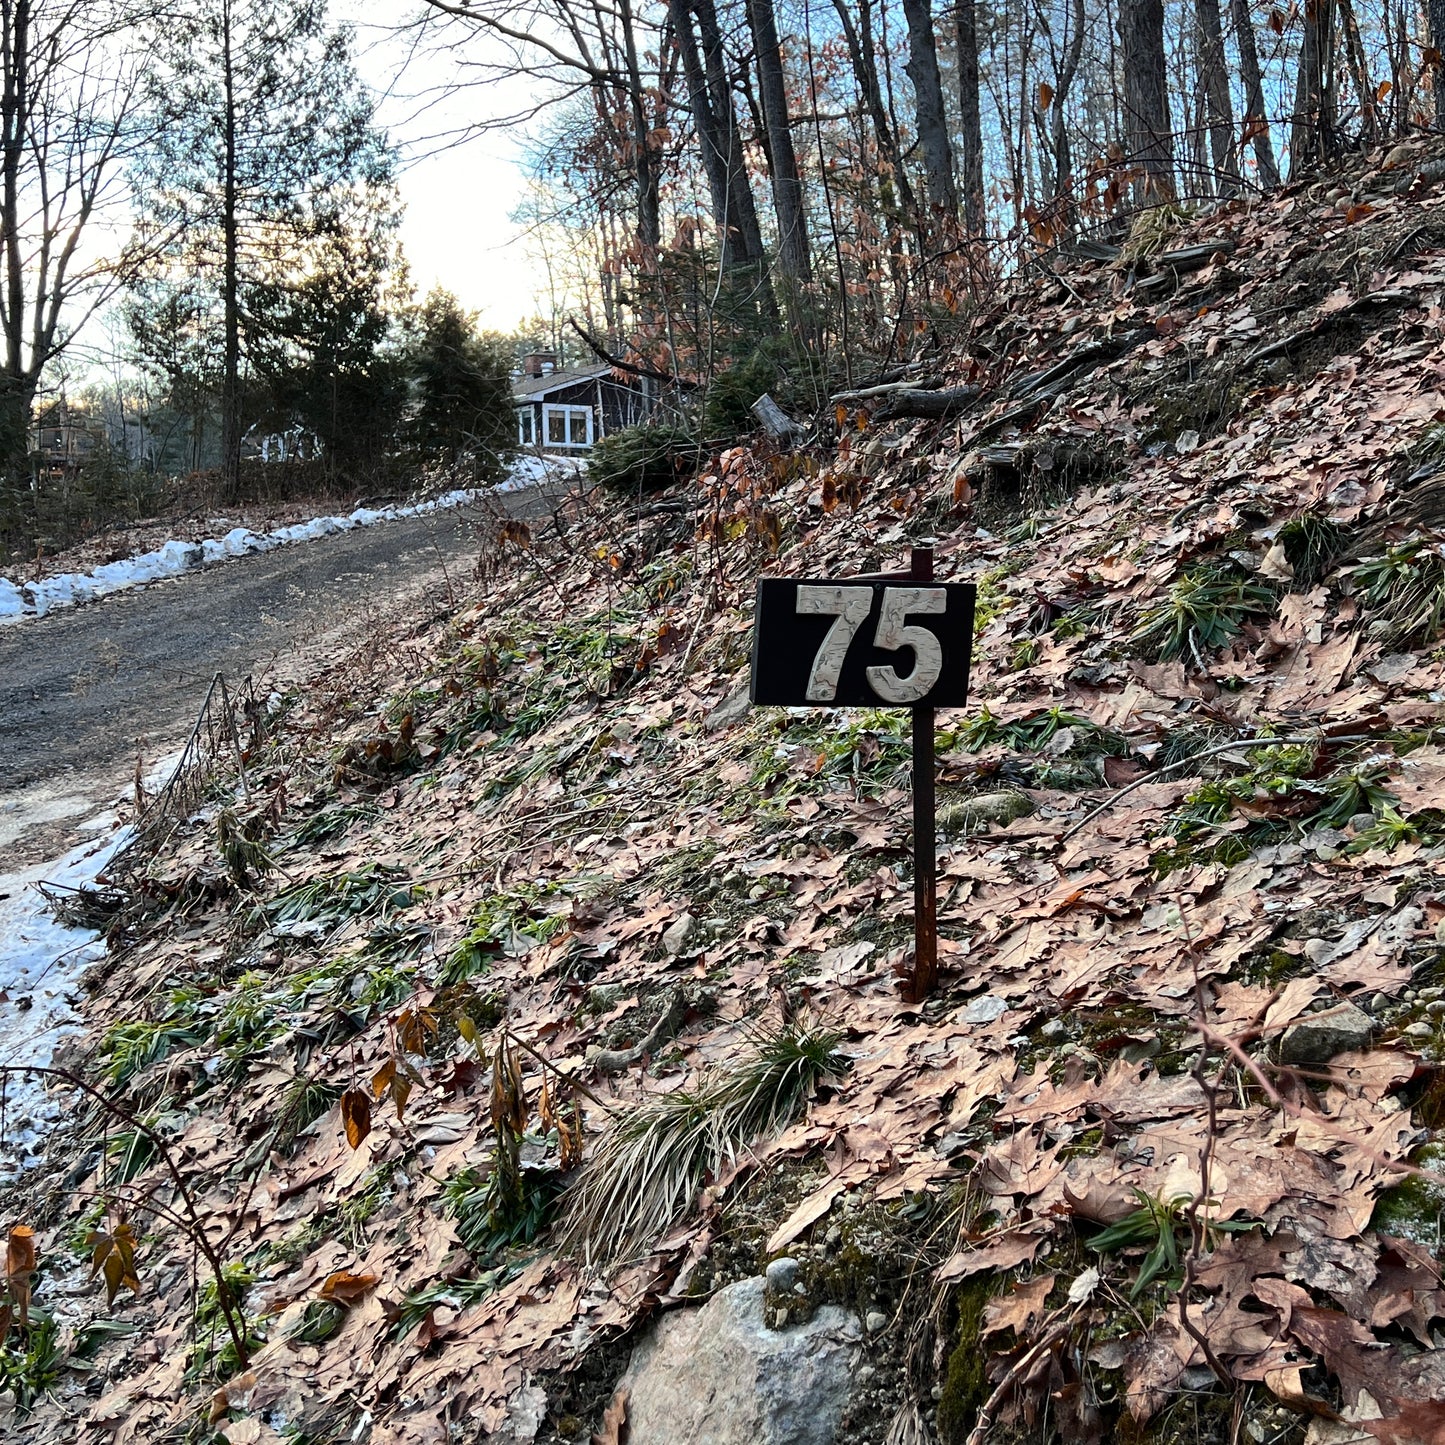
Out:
{"x": 1256, "y": 127}
{"x": 1147, "y": 139}
{"x": 18, "y": 389}
{"x": 1064, "y": 83}
{"x": 1437, "y": 44}
{"x": 231, "y": 366}
{"x": 970, "y": 121}
{"x": 1312, "y": 125}
{"x": 1218, "y": 116}
{"x": 793, "y": 254}
{"x": 742, "y": 213}
{"x": 649, "y": 224}
{"x": 922, "y": 70}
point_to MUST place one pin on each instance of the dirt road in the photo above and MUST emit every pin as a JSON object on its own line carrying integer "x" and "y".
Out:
{"x": 83, "y": 692}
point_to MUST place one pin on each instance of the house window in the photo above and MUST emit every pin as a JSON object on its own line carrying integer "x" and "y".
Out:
{"x": 526, "y": 427}
{"x": 568, "y": 426}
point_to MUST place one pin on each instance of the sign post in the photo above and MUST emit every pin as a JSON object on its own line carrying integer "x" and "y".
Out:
{"x": 848, "y": 643}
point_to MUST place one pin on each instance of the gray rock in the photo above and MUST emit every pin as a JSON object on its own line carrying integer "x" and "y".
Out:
{"x": 1419, "y": 1030}
{"x": 957, "y": 817}
{"x": 781, "y": 1274}
{"x": 727, "y": 712}
{"x": 1379, "y": 1003}
{"x": 876, "y": 1321}
{"x": 676, "y": 935}
{"x": 719, "y": 1376}
{"x": 1319, "y": 1037}
{"x": 1054, "y": 1030}
{"x": 985, "y": 1009}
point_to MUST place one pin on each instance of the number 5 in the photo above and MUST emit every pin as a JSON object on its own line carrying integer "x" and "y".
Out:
{"x": 893, "y": 633}
{"x": 851, "y": 606}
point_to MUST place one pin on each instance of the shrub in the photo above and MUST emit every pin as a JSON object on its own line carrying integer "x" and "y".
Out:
{"x": 648, "y": 457}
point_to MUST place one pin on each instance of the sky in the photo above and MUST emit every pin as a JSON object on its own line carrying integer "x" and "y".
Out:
{"x": 458, "y": 196}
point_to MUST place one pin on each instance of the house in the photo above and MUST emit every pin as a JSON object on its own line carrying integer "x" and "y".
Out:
{"x": 565, "y": 411}
{"x": 63, "y": 439}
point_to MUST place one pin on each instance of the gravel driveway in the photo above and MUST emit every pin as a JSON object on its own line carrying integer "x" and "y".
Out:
{"x": 83, "y": 692}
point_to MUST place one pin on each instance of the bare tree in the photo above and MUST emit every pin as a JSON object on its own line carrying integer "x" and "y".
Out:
{"x": 1147, "y": 138}
{"x": 783, "y": 160}
{"x": 1312, "y": 124}
{"x": 922, "y": 70}
{"x": 1256, "y": 126}
{"x": 68, "y": 120}
{"x": 970, "y": 121}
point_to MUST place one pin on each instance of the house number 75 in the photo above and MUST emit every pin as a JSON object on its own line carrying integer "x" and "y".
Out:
{"x": 851, "y": 607}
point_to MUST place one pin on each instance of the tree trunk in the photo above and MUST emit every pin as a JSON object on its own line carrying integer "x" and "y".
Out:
{"x": 1437, "y": 44}
{"x": 865, "y": 73}
{"x": 1064, "y": 83}
{"x": 922, "y": 70}
{"x": 787, "y": 187}
{"x": 1147, "y": 140}
{"x": 231, "y": 373}
{"x": 17, "y": 386}
{"x": 1312, "y": 126}
{"x": 970, "y": 122}
{"x": 1255, "y": 125}
{"x": 649, "y": 225}
{"x": 742, "y": 214}
{"x": 704, "y": 122}
{"x": 1218, "y": 109}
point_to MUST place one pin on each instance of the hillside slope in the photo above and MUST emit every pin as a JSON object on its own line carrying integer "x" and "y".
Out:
{"x": 515, "y": 878}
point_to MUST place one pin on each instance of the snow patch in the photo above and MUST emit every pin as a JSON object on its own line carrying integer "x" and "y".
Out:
{"x": 41, "y": 961}
{"x": 70, "y": 589}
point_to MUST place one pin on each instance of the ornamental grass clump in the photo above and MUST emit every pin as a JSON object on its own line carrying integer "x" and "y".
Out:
{"x": 1404, "y": 593}
{"x": 647, "y": 1168}
{"x": 1202, "y": 611}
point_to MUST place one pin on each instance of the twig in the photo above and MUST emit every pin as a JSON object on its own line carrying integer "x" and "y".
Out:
{"x": 559, "y": 1071}
{"x": 1016, "y": 1372}
{"x": 196, "y": 1229}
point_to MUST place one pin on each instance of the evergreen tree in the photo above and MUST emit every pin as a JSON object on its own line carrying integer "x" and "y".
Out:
{"x": 266, "y": 149}
{"x": 462, "y": 390}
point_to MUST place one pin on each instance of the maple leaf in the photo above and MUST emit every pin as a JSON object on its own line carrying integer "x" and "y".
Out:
{"x": 1420, "y": 1422}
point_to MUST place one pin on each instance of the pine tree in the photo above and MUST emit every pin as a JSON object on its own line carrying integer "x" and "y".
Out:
{"x": 265, "y": 148}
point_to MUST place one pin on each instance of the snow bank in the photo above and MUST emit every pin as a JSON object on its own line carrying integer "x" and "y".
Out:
{"x": 41, "y": 961}
{"x": 69, "y": 589}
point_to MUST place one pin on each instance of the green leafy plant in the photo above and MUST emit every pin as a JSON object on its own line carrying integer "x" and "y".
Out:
{"x": 1311, "y": 542}
{"x": 31, "y": 1361}
{"x": 1202, "y": 612}
{"x": 1351, "y": 792}
{"x": 1154, "y": 1227}
{"x": 131, "y": 1046}
{"x": 647, "y": 1167}
{"x": 206, "y": 1362}
{"x": 1404, "y": 591}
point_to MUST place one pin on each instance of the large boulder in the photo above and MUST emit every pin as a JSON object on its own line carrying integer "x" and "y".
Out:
{"x": 721, "y": 1376}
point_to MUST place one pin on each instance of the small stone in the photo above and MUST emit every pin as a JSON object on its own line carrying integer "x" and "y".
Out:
{"x": 1379, "y": 1003}
{"x": 674, "y": 938}
{"x": 1257, "y": 1431}
{"x": 1409, "y": 995}
{"x": 967, "y": 814}
{"x": 1400, "y": 156}
{"x": 985, "y": 1009}
{"x": 1429, "y": 995}
{"x": 1068, "y": 1051}
{"x": 834, "y": 1237}
{"x": 780, "y": 1320}
{"x": 1435, "y": 1008}
{"x": 801, "y": 1289}
{"x": 1361, "y": 821}
{"x": 875, "y": 1321}
{"x": 758, "y": 890}
{"x": 782, "y": 1273}
{"x": 865, "y": 1373}
{"x": 1054, "y": 1030}
{"x": 1317, "y": 1038}
{"x": 1420, "y": 1030}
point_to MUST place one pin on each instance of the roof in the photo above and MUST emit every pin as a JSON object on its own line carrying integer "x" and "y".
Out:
{"x": 532, "y": 386}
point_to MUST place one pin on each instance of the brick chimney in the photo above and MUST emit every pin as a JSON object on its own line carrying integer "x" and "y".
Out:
{"x": 539, "y": 363}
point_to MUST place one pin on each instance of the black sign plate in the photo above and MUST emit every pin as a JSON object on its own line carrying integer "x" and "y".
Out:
{"x": 859, "y": 643}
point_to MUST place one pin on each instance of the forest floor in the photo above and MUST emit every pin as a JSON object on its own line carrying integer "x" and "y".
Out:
{"x": 543, "y": 986}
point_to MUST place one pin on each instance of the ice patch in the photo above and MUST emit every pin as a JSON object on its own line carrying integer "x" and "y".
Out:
{"x": 69, "y": 589}
{"x": 41, "y": 961}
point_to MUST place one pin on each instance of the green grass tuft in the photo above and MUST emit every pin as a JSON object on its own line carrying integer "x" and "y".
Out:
{"x": 1202, "y": 612}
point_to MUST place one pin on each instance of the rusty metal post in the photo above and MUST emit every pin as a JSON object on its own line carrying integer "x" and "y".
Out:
{"x": 925, "y": 846}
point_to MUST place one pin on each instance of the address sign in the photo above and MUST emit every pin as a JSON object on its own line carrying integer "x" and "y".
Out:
{"x": 862, "y": 643}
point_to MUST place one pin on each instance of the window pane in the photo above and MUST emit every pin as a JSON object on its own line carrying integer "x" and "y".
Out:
{"x": 524, "y": 427}
{"x": 579, "y": 428}
{"x": 557, "y": 427}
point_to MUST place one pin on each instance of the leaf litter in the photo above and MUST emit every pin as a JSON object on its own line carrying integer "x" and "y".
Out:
{"x": 1225, "y": 733}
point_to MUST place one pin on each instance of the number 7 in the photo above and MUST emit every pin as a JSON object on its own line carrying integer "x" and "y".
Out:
{"x": 851, "y": 606}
